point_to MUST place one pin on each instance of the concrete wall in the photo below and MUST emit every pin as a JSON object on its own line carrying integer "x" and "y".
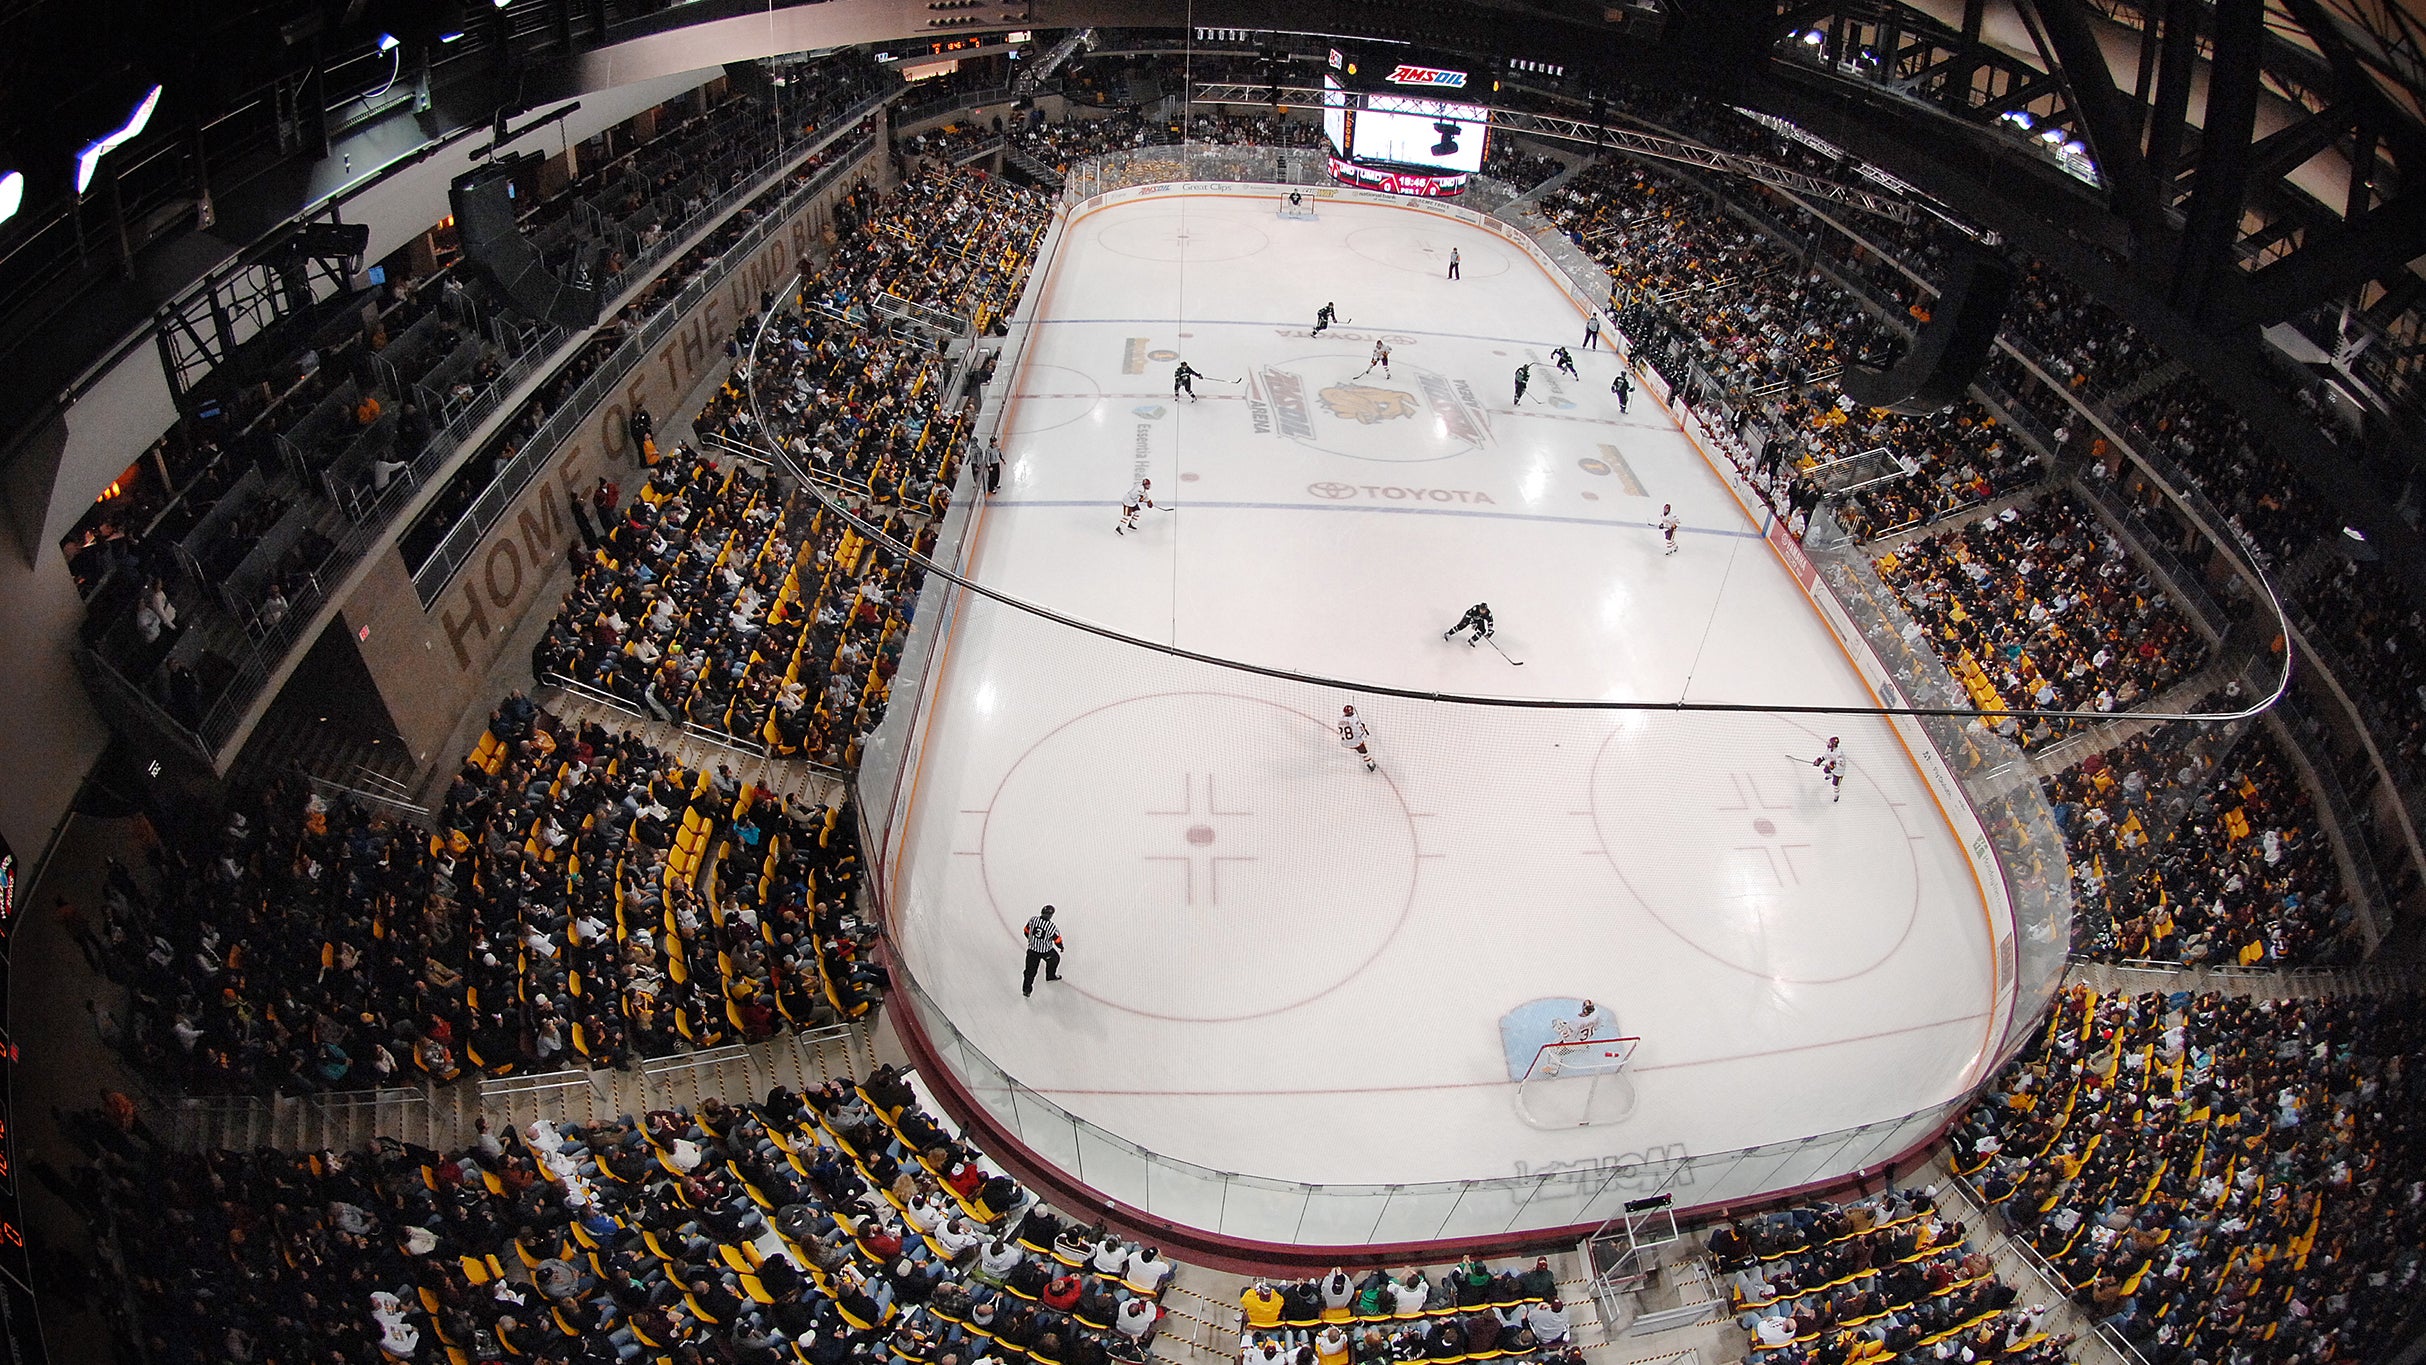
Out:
{"x": 433, "y": 665}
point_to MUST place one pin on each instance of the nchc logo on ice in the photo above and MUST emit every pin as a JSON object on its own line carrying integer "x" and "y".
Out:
{"x": 1427, "y": 75}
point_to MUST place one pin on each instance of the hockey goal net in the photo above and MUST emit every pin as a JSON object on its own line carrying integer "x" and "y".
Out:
{"x": 1571, "y": 1085}
{"x": 1303, "y": 209}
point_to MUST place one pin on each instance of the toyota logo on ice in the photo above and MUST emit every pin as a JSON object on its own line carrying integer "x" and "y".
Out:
{"x": 1392, "y": 492}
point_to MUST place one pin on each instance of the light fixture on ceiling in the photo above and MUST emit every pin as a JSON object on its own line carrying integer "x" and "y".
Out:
{"x": 12, "y": 194}
{"x": 89, "y": 160}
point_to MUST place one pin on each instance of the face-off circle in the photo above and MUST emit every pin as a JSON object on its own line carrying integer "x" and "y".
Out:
{"x": 1422, "y": 251}
{"x": 1200, "y": 235}
{"x": 1724, "y": 833}
{"x": 1252, "y": 865}
{"x": 1055, "y": 396}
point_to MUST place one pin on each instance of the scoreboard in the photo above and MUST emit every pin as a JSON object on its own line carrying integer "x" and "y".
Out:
{"x": 1404, "y": 124}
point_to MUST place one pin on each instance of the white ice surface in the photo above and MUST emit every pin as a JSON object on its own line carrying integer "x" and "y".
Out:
{"x": 1285, "y": 966}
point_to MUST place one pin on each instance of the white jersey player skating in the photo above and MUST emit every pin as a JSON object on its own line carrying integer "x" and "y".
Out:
{"x": 1140, "y": 495}
{"x": 1585, "y": 1026}
{"x": 1667, "y": 524}
{"x": 1831, "y": 764}
{"x": 1380, "y": 360}
{"x": 1354, "y": 735}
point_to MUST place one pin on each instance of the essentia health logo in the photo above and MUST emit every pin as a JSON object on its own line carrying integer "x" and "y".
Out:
{"x": 1428, "y": 75}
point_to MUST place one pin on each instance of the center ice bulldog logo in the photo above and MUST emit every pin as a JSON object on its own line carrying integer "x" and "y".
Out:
{"x": 1368, "y": 404}
{"x": 1323, "y": 402}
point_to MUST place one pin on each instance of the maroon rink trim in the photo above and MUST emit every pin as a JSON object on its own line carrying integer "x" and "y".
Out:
{"x": 1247, "y": 1256}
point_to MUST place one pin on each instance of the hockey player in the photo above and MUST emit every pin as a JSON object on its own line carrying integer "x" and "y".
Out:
{"x": 1667, "y": 527}
{"x": 1524, "y": 376}
{"x": 1583, "y": 1028}
{"x": 1142, "y": 495}
{"x": 1380, "y": 360}
{"x": 1453, "y": 263}
{"x": 1478, "y": 617}
{"x": 1560, "y": 357}
{"x": 1623, "y": 388}
{"x": 1183, "y": 380}
{"x": 1831, "y": 764}
{"x": 1324, "y": 317}
{"x": 1354, "y": 735}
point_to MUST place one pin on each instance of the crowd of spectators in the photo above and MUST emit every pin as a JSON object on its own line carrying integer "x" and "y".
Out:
{"x": 956, "y": 241}
{"x": 840, "y": 1225}
{"x": 1769, "y": 335}
{"x": 1386, "y": 1317}
{"x": 2180, "y": 854}
{"x": 1060, "y": 144}
{"x": 714, "y": 598}
{"x": 2040, "y": 607}
{"x": 584, "y": 901}
{"x": 2380, "y": 646}
{"x": 1508, "y": 160}
{"x": 1885, "y": 1278}
{"x": 2218, "y": 1178}
{"x": 666, "y": 284}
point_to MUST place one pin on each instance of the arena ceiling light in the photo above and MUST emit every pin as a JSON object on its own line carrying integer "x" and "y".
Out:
{"x": 12, "y": 194}
{"x": 389, "y": 42}
{"x": 89, "y": 160}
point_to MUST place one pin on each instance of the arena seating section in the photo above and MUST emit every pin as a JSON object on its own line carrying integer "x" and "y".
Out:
{"x": 1881, "y": 1279}
{"x": 2219, "y": 1177}
{"x": 2039, "y": 606}
{"x": 230, "y": 516}
{"x": 583, "y": 901}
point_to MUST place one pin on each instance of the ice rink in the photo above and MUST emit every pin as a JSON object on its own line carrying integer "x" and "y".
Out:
{"x": 1283, "y": 965}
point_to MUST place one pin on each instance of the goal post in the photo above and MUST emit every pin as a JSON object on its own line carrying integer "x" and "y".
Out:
{"x": 1579, "y": 1083}
{"x": 1304, "y": 210}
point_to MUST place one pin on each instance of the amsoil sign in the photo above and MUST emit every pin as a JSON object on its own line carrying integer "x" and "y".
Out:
{"x": 1428, "y": 75}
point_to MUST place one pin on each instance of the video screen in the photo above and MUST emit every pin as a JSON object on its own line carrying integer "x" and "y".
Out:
{"x": 1335, "y": 113}
{"x": 1406, "y": 131}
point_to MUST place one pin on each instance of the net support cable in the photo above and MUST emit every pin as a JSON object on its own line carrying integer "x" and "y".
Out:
{"x": 773, "y": 452}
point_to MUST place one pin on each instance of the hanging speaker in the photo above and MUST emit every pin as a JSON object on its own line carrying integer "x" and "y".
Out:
{"x": 1951, "y": 346}
{"x": 484, "y": 222}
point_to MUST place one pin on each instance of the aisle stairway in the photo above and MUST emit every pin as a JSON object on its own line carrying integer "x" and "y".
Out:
{"x": 786, "y": 777}
{"x": 445, "y": 1117}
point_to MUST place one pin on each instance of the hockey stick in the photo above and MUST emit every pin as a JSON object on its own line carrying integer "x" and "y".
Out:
{"x": 1502, "y": 653}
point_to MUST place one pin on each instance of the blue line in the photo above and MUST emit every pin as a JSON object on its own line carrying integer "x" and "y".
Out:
{"x": 1386, "y": 507}
{"x": 1250, "y": 322}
